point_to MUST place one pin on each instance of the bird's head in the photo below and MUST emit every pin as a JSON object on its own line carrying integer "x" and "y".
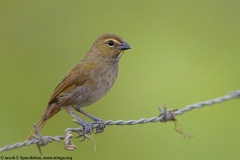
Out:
{"x": 110, "y": 46}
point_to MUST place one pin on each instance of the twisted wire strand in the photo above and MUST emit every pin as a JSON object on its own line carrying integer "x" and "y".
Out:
{"x": 190, "y": 107}
{"x": 165, "y": 115}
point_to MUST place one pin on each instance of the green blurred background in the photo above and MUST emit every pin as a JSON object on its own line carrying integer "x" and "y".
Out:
{"x": 182, "y": 52}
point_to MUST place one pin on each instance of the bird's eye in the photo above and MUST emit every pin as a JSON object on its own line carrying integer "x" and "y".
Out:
{"x": 110, "y": 43}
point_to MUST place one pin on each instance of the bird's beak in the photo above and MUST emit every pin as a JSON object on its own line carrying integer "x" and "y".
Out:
{"x": 125, "y": 46}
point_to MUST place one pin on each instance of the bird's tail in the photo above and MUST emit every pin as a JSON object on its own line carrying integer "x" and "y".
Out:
{"x": 49, "y": 112}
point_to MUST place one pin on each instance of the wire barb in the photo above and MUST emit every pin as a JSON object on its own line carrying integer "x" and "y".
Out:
{"x": 164, "y": 116}
{"x": 167, "y": 115}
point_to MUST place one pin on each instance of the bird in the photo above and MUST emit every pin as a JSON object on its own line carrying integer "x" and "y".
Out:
{"x": 87, "y": 82}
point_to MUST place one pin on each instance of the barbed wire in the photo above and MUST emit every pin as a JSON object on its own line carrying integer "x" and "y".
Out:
{"x": 164, "y": 116}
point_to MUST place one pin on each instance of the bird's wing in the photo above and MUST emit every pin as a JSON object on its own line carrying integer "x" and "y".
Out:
{"x": 76, "y": 77}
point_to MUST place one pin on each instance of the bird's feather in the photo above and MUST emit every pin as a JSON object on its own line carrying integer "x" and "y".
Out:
{"x": 76, "y": 77}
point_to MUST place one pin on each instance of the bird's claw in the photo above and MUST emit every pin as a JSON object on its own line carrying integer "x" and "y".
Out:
{"x": 85, "y": 131}
{"x": 87, "y": 128}
{"x": 100, "y": 126}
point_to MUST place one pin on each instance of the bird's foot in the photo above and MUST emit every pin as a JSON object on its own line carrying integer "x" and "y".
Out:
{"x": 100, "y": 125}
{"x": 87, "y": 129}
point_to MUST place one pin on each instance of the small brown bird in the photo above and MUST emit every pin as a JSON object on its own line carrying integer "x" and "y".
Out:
{"x": 87, "y": 82}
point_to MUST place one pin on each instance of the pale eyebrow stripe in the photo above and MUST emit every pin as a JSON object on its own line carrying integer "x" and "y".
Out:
{"x": 114, "y": 40}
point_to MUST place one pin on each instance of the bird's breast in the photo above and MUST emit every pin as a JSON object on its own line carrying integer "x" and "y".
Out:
{"x": 106, "y": 78}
